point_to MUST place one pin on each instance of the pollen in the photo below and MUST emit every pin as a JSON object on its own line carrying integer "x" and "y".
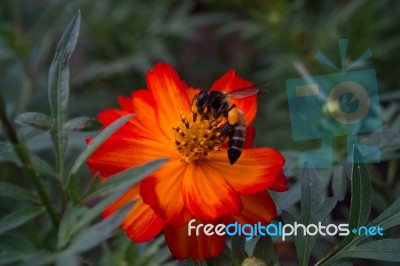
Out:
{"x": 198, "y": 135}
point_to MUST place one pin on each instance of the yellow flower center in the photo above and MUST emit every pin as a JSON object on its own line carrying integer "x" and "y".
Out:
{"x": 198, "y": 135}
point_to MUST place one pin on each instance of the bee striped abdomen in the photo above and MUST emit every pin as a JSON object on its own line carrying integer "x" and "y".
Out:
{"x": 237, "y": 138}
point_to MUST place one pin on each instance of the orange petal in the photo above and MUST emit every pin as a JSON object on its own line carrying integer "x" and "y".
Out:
{"x": 122, "y": 151}
{"x": 280, "y": 183}
{"x": 207, "y": 195}
{"x": 141, "y": 223}
{"x": 169, "y": 94}
{"x": 256, "y": 169}
{"x": 230, "y": 82}
{"x": 142, "y": 104}
{"x": 197, "y": 247}
{"x": 110, "y": 115}
{"x": 163, "y": 192}
{"x": 258, "y": 207}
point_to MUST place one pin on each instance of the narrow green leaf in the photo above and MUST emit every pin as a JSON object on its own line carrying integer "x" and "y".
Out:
{"x": 238, "y": 248}
{"x": 360, "y": 206}
{"x": 7, "y": 153}
{"x": 18, "y": 257}
{"x": 386, "y": 249}
{"x": 68, "y": 260}
{"x": 15, "y": 192}
{"x": 36, "y": 120}
{"x": 157, "y": 253}
{"x": 96, "y": 142}
{"x": 18, "y": 218}
{"x": 310, "y": 199}
{"x": 310, "y": 193}
{"x": 97, "y": 233}
{"x": 324, "y": 209}
{"x": 81, "y": 124}
{"x": 124, "y": 179}
{"x": 389, "y": 218}
{"x": 264, "y": 249}
{"x": 42, "y": 166}
{"x": 59, "y": 73}
{"x": 71, "y": 216}
{"x": 76, "y": 218}
{"x": 361, "y": 192}
{"x": 58, "y": 90}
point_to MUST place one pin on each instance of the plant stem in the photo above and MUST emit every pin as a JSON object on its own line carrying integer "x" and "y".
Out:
{"x": 23, "y": 155}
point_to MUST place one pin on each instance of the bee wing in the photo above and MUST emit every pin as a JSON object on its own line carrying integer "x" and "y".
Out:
{"x": 243, "y": 92}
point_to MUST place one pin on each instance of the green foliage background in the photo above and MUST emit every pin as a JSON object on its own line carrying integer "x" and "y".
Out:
{"x": 265, "y": 41}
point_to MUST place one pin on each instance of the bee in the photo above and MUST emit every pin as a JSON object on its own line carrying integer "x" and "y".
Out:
{"x": 217, "y": 102}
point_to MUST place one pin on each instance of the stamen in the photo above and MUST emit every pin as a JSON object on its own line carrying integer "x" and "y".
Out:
{"x": 197, "y": 135}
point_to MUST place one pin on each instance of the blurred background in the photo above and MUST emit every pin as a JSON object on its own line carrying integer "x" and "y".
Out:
{"x": 266, "y": 41}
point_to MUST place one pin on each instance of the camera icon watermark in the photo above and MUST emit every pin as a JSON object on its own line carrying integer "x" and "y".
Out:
{"x": 340, "y": 104}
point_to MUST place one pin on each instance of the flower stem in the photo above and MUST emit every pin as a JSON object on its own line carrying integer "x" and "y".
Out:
{"x": 23, "y": 155}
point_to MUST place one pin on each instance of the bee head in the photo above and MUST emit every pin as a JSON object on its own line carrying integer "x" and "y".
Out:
{"x": 201, "y": 100}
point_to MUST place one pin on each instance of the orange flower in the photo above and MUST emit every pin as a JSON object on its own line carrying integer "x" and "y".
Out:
{"x": 197, "y": 182}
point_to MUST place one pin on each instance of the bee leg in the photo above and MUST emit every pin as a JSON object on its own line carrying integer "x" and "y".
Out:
{"x": 222, "y": 110}
{"x": 226, "y": 129}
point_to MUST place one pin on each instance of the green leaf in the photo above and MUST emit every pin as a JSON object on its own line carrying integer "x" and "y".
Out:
{"x": 68, "y": 260}
{"x": 156, "y": 253}
{"x": 264, "y": 249}
{"x": 71, "y": 216}
{"x": 36, "y": 120}
{"x": 58, "y": 91}
{"x": 312, "y": 212}
{"x": 76, "y": 218}
{"x": 361, "y": 192}
{"x": 7, "y": 153}
{"x": 42, "y": 166}
{"x": 310, "y": 193}
{"x": 15, "y": 192}
{"x": 324, "y": 209}
{"x": 386, "y": 249}
{"x": 360, "y": 206}
{"x": 16, "y": 248}
{"x": 96, "y": 142}
{"x": 124, "y": 179}
{"x": 97, "y": 233}
{"x": 389, "y": 218}
{"x": 238, "y": 248}
{"x": 13, "y": 257}
{"x": 18, "y": 218}
{"x": 81, "y": 124}
{"x": 310, "y": 199}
